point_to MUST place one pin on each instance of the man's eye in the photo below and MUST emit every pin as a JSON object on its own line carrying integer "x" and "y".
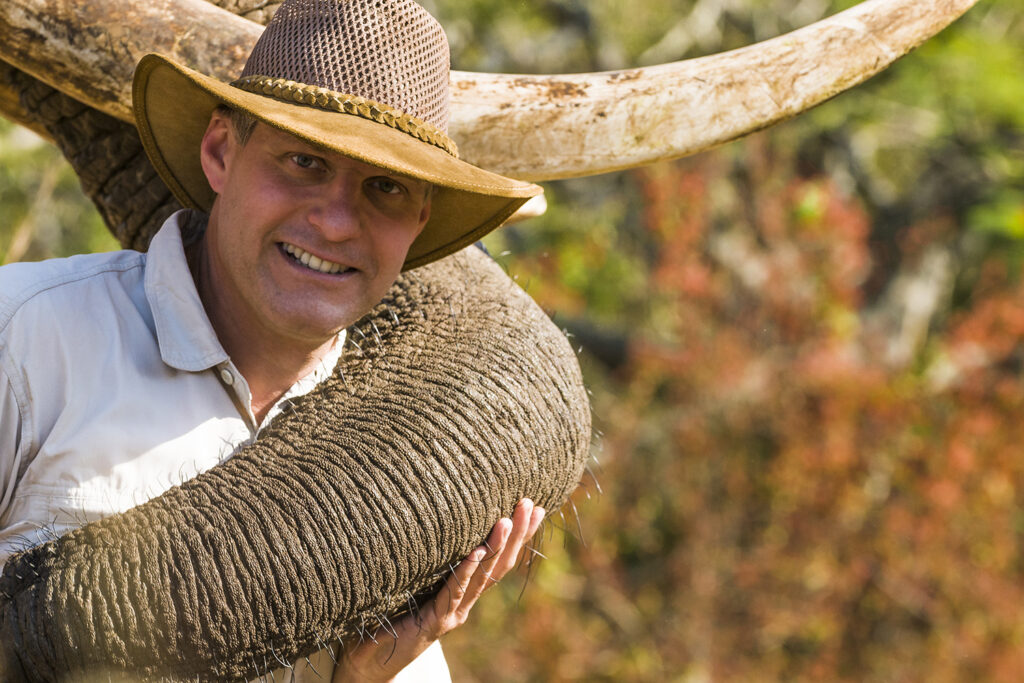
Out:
{"x": 305, "y": 161}
{"x": 387, "y": 186}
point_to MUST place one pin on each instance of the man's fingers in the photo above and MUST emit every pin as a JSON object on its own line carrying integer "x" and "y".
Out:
{"x": 497, "y": 543}
{"x": 523, "y": 526}
{"x": 486, "y": 565}
{"x": 506, "y": 542}
{"x": 452, "y": 594}
{"x": 496, "y": 540}
{"x": 535, "y": 520}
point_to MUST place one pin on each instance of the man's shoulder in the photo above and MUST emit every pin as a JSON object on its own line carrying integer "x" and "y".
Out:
{"x": 66, "y": 279}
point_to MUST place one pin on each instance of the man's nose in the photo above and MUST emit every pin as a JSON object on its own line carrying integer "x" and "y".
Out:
{"x": 336, "y": 210}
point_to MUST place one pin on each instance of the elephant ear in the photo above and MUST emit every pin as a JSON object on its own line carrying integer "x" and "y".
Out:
{"x": 455, "y": 398}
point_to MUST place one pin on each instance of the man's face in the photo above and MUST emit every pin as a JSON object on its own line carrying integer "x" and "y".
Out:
{"x": 302, "y": 242}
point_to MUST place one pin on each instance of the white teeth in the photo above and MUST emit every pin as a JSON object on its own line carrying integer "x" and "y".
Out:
{"x": 312, "y": 262}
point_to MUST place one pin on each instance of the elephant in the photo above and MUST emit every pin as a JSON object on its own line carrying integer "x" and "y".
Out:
{"x": 454, "y": 397}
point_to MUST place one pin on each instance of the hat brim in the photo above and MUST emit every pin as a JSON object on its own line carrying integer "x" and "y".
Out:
{"x": 173, "y": 105}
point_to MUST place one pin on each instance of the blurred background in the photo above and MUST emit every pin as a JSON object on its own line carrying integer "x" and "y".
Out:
{"x": 805, "y": 353}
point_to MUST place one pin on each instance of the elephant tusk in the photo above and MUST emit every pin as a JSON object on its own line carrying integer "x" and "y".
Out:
{"x": 89, "y": 50}
{"x": 547, "y": 127}
{"x": 531, "y": 127}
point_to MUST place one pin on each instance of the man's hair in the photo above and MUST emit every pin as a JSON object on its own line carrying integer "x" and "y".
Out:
{"x": 243, "y": 125}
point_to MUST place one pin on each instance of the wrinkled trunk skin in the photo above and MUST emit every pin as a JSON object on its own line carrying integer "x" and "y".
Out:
{"x": 454, "y": 398}
{"x": 463, "y": 399}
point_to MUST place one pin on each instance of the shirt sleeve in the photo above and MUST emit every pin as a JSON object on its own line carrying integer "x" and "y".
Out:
{"x": 429, "y": 667}
{"x": 11, "y": 438}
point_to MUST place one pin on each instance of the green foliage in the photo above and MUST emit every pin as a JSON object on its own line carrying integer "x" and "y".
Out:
{"x": 42, "y": 208}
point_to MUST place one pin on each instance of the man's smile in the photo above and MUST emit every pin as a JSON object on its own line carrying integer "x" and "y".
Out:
{"x": 312, "y": 262}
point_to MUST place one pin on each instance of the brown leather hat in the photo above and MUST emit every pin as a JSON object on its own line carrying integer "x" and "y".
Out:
{"x": 364, "y": 78}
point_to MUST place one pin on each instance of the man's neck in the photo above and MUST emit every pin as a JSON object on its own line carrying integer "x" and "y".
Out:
{"x": 269, "y": 364}
{"x": 269, "y": 369}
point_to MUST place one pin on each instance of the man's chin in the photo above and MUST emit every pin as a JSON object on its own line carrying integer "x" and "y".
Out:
{"x": 319, "y": 313}
{"x": 310, "y": 328}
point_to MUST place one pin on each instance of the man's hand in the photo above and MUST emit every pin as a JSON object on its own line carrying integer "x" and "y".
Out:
{"x": 485, "y": 566}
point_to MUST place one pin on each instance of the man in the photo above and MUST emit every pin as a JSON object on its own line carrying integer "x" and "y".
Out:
{"x": 313, "y": 180}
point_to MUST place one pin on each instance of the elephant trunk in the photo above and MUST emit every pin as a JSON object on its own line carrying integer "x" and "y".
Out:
{"x": 455, "y": 398}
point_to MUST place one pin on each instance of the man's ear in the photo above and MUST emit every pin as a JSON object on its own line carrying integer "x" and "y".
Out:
{"x": 216, "y": 150}
{"x": 425, "y": 211}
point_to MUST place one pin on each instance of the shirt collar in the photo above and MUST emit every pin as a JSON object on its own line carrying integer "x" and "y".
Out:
{"x": 186, "y": 338}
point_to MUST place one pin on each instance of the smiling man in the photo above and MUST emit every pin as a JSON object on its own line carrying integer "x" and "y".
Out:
{"x": 312, "y": 181}
{"x": 315, "y": 238}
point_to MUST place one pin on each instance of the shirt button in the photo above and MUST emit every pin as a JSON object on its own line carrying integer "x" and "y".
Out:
{"x": 226, "y": 376}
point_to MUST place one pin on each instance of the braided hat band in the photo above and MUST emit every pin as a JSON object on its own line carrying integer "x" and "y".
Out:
{"x": 329, "y": 100}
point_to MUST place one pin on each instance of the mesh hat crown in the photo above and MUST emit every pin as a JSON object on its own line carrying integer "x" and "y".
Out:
{"x": 365, "y": 78}
{"x": 391, "y": 52}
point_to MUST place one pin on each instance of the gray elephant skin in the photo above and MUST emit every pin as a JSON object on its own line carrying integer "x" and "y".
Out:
{"x": 455, "y": 398}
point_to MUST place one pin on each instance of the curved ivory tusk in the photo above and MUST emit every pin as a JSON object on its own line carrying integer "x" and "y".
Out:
{"x": 532, "y": 127}
{"x": 88, "y": 49}
{"x": 546, "y": 127}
